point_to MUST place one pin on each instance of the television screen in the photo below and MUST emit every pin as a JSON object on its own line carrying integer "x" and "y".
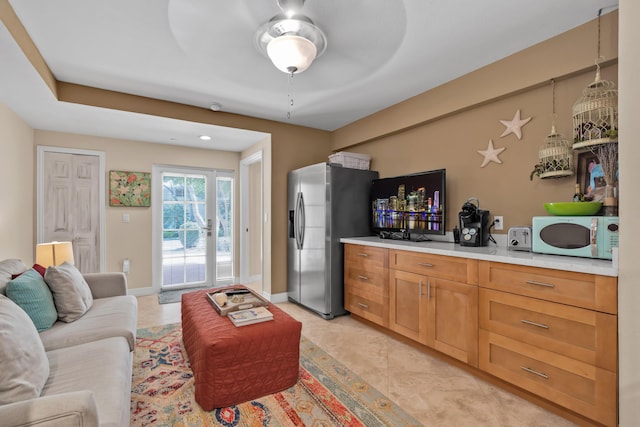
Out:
{"x": 411, "y": 204}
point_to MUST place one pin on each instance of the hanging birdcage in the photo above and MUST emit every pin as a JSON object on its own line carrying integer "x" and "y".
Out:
{"x": 595, "y": 114}
{"x": 555, "y": 158}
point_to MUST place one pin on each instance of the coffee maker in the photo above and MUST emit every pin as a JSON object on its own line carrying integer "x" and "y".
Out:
{"x": 474, "y": 224}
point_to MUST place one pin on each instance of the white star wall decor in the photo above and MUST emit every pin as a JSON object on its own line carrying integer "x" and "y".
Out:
{"x": 491, "y": 154}
{"x": 514, "y": 126}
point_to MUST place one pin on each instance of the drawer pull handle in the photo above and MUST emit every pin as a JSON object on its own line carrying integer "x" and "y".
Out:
{"x": 363, "y": 277}
{"x": 533, "y": 371}
{"x": 425, "y": 264}
{"x": 539, "y": 325}
{"x": 365, "y": 255}
{"x": 548, "y": 285}
{"x": 363, "y": 305}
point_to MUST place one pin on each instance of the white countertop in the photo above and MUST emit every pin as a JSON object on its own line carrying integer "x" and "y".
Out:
{"x": 495, "y": 253}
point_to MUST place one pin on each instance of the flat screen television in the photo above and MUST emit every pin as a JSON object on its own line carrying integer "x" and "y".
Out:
{"x": 409, "y": 205}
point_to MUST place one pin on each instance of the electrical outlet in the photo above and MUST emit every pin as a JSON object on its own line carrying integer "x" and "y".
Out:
{"x": 498, "y": 223}
{"x": 126, "y": 265}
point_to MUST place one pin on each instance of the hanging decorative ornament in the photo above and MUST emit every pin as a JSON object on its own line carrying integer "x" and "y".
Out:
{"x": 595, "y": 114}
{"x": 555, "y": 158}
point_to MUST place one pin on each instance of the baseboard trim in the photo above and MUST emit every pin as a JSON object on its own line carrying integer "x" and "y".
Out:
{"x": 276, "y": 298}
{"x": 139, "y": 292}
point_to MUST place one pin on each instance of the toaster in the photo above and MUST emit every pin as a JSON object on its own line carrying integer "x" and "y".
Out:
{"x": 519, "y": 238}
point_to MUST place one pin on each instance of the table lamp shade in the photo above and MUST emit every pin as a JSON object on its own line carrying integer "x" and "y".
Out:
{"x": 54, "y": 253}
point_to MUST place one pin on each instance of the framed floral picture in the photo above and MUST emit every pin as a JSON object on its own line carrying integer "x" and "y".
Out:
{"x": 131, "y": 189}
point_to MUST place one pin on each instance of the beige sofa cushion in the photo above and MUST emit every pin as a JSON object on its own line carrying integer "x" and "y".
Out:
{"x": 24, "y": 367}
{"x": 102, "y": 367}
{"x": 9, "y": 267}
{"x": 71, "y": 292}
{"x": 108, "y": 317}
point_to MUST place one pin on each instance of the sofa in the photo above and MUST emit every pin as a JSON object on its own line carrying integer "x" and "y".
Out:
{"x": 75, "y": 372}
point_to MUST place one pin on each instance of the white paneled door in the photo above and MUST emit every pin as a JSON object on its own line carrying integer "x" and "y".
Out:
{"x": 70, "y": 204}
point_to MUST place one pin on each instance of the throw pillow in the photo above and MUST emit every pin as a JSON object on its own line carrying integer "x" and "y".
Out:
{"x": 32, "y": 294}
{"x": 9, "y": 267}
{"x": 37, "y": 267}
{"x": 24, "y": 367}
{"x": 71, "y": 293}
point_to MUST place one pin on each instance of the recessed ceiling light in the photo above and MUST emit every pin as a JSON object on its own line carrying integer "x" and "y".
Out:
{"x": 205, "y": 137}
{"x": 215, "y": 107}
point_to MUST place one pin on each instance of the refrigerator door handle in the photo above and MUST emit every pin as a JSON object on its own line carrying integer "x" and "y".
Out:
{"x": 301, "y": 224}
{"x": 296, "y": 220}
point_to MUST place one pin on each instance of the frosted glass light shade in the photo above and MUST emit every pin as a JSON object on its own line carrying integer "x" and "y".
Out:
{"x": 54, "y": 253}
{"x": 291, "y": 53}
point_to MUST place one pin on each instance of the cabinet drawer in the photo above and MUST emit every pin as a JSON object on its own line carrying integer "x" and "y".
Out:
{"x": 374, "y": 308}
{"x": 579, "y": 289}
{"x": 585, "y": 335}
{"x": 368, "y": 256}
{"x": 445, "y": 267}
{"x": 578, "y": 386}
{"x": 370, "y": 279}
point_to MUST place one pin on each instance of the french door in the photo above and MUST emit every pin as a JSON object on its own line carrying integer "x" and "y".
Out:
{"x": 193, "y": 228}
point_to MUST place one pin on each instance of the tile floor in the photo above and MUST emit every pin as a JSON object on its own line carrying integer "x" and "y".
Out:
{"x": 434, "y": 392}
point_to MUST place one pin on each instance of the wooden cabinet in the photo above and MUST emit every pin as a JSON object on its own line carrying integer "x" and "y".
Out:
{"x": 550, "y": 332}
{"x": 553, "y": 333}
{"x": 453, "y": 319}
{"x": 366, "y": 289}
{"x": 408, "y": 311}
{"x": 430, "y": 306}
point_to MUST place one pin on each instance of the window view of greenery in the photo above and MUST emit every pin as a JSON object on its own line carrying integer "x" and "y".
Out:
{"x": 183, "y": 218}
{"x": 224, "y": 214}
{"x": 186, "y": 223}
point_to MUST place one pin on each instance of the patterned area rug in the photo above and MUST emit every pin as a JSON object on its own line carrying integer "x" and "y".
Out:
{"x": 327, "y": 393}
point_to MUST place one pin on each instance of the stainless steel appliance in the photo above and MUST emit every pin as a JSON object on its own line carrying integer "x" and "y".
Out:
{"x": 325, "y": 202}
{"x": 519, "y": 238}
{"x": 582, "y": 236}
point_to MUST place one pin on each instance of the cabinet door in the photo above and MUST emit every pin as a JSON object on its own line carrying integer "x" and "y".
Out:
{"x": 366, "y": 292}
{"x": 452, "y": 326}
{"x": 408, "y": 304}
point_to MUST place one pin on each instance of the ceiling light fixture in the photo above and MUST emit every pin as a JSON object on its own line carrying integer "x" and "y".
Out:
{"x": 205, "y": 137}
{"x": 215, "y": 107}
{"x": 292, "y": 41}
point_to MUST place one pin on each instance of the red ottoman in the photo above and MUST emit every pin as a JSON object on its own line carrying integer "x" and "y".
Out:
{"x": 233, "y": 364}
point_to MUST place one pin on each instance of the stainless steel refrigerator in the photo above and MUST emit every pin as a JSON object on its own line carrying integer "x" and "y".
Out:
{"x": 325, "y": 202}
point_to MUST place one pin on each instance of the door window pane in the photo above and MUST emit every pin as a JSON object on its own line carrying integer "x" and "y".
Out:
{"x": 224, "y": 227}
{"x": 184, "y": 240}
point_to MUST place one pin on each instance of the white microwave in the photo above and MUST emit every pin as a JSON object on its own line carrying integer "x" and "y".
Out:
{"x": 581, "y": 236}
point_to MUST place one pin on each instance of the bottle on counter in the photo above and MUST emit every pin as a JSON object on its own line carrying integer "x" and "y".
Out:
{"x": 578, "y": 196}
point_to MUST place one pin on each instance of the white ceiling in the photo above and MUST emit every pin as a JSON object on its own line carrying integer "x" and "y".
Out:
{"x": 197, "y": 52}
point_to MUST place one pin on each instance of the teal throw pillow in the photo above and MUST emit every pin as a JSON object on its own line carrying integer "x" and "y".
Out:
{"x": 30, "y": 292}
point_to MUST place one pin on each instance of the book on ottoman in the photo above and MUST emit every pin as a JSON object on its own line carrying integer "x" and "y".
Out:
{"x": 250, "y": 316}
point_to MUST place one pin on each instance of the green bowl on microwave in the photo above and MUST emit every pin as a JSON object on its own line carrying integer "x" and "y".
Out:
{"x": 573, "y": 208}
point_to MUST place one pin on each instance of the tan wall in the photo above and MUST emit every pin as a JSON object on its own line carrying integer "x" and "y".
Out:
{"x": 133, "y": 239}
{"x": 452, "y": 143}
{"x": 18, "y": 198}
{"x": 445, "y": 127}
